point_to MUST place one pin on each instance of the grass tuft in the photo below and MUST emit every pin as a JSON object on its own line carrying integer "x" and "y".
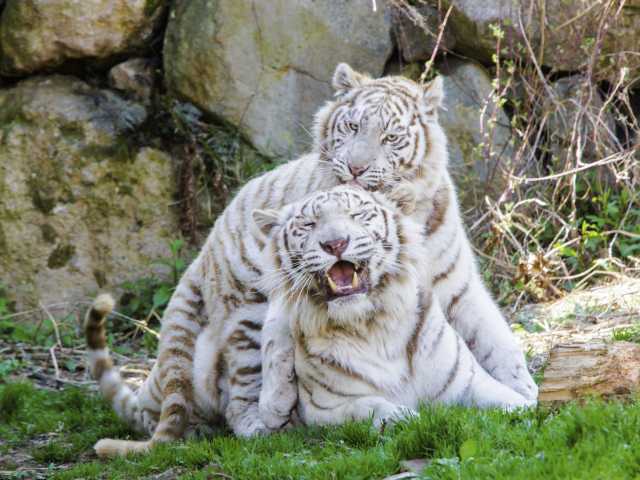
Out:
{"x": 11, "y": 400}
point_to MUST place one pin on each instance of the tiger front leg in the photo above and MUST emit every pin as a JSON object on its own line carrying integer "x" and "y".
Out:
{"x": 279, "y": 394}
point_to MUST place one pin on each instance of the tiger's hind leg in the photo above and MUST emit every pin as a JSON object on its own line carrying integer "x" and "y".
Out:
{"x": 179, "y": 332}
{"x": 476, "y": 317}
{"x": 455, "y": 376}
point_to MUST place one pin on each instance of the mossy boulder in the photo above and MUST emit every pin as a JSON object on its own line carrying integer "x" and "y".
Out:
{"x": 80, "y": 207}
{"x": 43, "y": 34}
{"x": 265, "y": 66}
{"x": 416, "y": 32}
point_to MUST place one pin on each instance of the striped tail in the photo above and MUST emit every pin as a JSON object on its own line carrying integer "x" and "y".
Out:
{"x": 116, "y": 391}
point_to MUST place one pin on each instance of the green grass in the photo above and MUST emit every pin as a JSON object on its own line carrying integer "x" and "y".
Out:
{"x": 596, "y": 440}
{"x": 73, "y": 419}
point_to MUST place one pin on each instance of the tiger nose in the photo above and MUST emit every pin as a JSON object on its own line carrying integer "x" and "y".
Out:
{"x": 357, "y": 171}
{"x": 335, "y": 247}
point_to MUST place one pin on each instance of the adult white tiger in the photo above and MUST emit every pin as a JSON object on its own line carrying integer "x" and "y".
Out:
{"x": 352, "y": 288}
{"x": 384, "y": 134}
{"x": 398, "y": 134}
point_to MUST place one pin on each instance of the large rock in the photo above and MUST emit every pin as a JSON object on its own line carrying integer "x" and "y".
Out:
{"x": 80, "y": 208}
{"x": 42, "y": 34}
{"x": 416, "y": 32}
{"x": 566, "y": 37}
{"x": 266, "y": 66}
{"x": 577, "y": 113}
{"x": 478, "y": 131}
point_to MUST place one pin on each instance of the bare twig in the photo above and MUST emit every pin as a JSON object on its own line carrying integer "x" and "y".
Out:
{"x": 429, "y": 63}
{"x": 54, "y": 360}
{"x": 54, "y": 323}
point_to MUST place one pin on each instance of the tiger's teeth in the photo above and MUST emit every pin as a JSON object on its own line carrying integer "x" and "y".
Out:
{"x": 355, "y": 281}
{"x": 332, "y": 284}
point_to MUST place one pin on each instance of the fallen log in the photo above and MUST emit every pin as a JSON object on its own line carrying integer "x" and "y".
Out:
{"x": 591, "y": 369}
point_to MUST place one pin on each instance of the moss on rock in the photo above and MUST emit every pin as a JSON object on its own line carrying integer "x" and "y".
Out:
{"x": 76, "y": 195}
{"x": 60, "y": 256}
{"x": 42, "y": 35}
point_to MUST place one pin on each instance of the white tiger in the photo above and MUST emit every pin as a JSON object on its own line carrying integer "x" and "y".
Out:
{"x": 408, "y": 161}
{"x": 384, "y": 135}
{"x": 353, "y": 289}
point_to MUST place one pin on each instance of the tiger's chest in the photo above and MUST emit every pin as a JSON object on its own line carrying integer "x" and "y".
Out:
{"x": 372, "y": 366}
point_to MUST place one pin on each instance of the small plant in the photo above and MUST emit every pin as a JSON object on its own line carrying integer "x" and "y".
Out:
{"x": 7, "y": 367}
{"x": 627, "y": 334}
{"x": 4, "y": 303}
{"x": 145, "y": 299}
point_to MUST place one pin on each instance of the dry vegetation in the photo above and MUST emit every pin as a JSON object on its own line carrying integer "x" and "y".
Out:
{"x": 569, "y": 210}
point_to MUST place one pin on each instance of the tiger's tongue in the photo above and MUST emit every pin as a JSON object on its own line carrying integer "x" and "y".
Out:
{"x": 342, "y": 274}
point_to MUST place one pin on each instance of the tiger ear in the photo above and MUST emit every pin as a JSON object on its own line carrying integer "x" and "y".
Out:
{"x": 345, "y": 78}
{"x": 433, "y": 94}
{"x": 266, "y": 220}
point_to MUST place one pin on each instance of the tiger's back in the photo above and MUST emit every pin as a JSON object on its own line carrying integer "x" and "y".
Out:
{"x": 209, "y": 353}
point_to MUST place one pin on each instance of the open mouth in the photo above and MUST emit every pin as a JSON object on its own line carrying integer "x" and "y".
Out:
{"x": 344, "y": 279}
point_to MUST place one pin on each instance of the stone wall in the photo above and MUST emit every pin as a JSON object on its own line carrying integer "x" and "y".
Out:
{"x": 91, "y": 173}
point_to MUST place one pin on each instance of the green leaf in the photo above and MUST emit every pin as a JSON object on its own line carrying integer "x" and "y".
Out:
{"x": 627, "y": 249}
{"x": 8, "y": 366}
{"x": 468, "y": 449}
{"x": 179, "y": 264}
{"x": 70, "y": 365}
{"x": 176, "y": 246}
{"x": 161, "y": 296}
{"x": 566, "y": 251}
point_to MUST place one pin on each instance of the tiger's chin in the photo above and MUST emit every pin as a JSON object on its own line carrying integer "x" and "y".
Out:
{"x": 350, "y": 309}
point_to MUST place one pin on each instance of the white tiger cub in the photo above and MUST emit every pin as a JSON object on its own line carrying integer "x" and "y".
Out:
{"x": 353, "y": 289}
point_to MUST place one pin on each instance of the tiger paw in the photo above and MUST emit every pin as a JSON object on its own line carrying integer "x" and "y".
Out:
{"x": 517, "y": 377}
{"x": 405, "y": 196}
{"x": 276, "y": 409}
{"x": 517, "y": 402}
{"x": 389, "y": 414}
{"x": 252, "y": 428}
